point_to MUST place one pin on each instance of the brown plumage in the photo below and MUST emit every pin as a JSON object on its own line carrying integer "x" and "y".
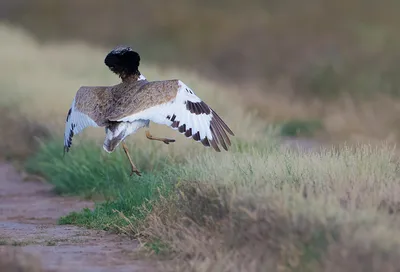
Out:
{"x": 105, "y": 104}
{"x": 130, "y": 105}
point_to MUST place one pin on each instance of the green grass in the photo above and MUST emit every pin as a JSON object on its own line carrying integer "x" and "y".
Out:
{"x": 158, "y": 247}
{"x": 87, "y": 171}
{"x": 131, "y": 203}
{"x": 295, "y": 128}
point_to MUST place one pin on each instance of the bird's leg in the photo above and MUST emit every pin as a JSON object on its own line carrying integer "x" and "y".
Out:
{"x": 165, "y": 140}
{"x": 134, "y": 169}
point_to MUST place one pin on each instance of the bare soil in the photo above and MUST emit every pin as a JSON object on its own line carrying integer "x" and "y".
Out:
{"x": 28, "y": 220}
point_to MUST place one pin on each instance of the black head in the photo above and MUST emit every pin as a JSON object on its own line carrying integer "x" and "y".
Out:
{"x": 123, "y": 61}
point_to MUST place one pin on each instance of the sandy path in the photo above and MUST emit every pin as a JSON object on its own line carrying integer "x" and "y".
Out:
{"x": 28, "y": 216}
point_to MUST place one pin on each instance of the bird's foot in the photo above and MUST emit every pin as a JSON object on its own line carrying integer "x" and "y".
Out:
{"x": 167, "y": 141}
{"x": 136, "y": 171}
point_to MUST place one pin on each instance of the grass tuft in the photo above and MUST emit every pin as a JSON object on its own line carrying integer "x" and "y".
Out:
{"x": 89, "y": 172}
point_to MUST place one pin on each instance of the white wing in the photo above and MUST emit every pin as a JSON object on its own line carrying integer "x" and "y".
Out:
{"x": 188, "y": 114}
{"x": 75, "y": 123}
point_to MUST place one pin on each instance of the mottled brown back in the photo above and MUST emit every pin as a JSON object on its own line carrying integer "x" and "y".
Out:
{"x": 104, "y": 104}
{"x": 135, "y": 98}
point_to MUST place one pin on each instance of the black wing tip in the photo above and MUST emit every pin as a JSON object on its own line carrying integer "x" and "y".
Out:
{"x": 68, "y": 114}
{"x": 222, "y": 123}
{"x": 218, "y": 127}
{"x": 123, "y": 61}
{"x": 219, "y": 130}
{"x": 66, "y": 150}
{"x": 68, "y": 142}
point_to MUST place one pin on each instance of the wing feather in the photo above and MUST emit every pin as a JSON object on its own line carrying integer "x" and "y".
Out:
{"x": 84, "y": 112}
{"x": 191, "y": 116}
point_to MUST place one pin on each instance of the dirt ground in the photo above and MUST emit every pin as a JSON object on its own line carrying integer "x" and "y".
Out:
{"x": 28, "y": 216}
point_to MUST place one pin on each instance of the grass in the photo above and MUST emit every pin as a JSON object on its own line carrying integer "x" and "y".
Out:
{"x": 88, "y": 172}
{"x": 285, "y": 211}
{"x": 257, "y": 207}
{"x": 97, "y": 171}
{"x": 260, "y": 207}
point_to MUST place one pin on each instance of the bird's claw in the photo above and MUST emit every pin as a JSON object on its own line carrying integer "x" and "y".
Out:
{"x": 134, "y": 170}
{"x": 167, "y": 141}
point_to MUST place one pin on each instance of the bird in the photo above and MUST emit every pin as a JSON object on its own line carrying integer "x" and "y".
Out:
{"x": 130, "y": 105}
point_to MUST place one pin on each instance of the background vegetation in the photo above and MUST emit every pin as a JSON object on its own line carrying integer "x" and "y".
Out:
{"x": 331, "y": 61}
{"x": 326, "y": 70}
{"x": 321, "y": 47}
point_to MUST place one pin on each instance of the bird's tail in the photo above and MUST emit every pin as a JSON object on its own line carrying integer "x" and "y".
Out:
{"x": 123, "y": 61}
{"x": 115, "y": 134}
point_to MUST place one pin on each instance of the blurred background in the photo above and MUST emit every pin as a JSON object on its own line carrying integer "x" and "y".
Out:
{"x": 324, "y": 68}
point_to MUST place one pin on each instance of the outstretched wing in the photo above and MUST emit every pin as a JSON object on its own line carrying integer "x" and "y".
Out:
{"x": 188, "y": 114}
{"x": 87, "y": 109}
